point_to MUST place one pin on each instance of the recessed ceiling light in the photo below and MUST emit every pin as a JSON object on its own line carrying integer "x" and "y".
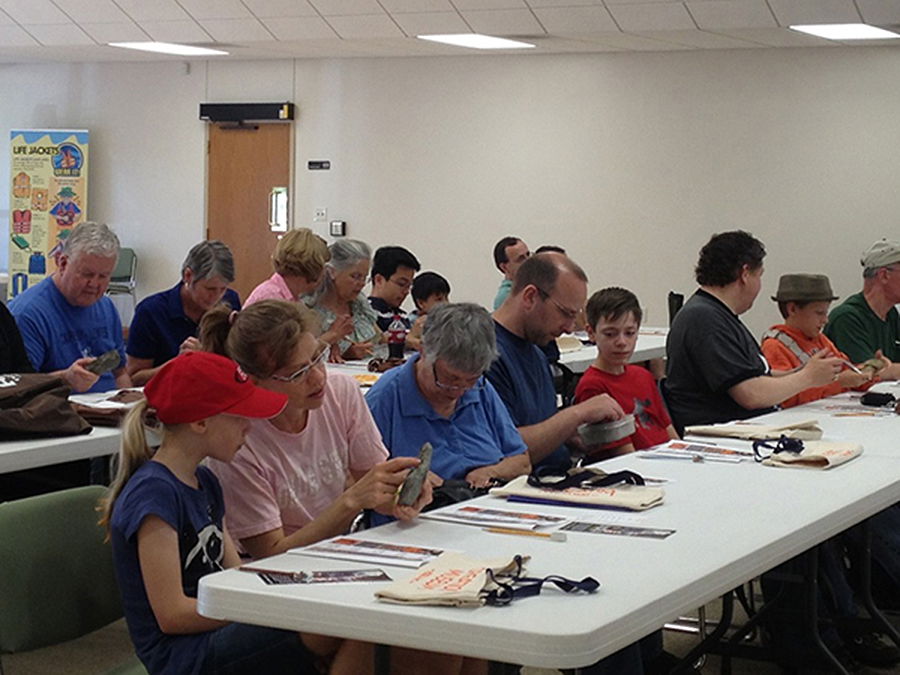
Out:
{"x": 477, "y": 41}
{"x": 846, "y": 31}
{"x": 169, "y": 48}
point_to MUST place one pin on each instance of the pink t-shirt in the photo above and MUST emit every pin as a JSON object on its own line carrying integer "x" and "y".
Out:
{"x": 273, "y": 288}
{"x": 285, "y": 480}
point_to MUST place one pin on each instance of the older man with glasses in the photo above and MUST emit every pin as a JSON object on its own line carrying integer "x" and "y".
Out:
{"x": 549, "y": 291}
{"x": 441, "y": 396}
{"x": 867, "y": 324}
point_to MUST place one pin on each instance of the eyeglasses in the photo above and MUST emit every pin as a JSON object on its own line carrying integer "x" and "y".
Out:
{"x": 403, "y": 284}
{"x": 477, "y": 385}
{"x": 301, "y": 374}
{"x": 357, "y": 277}
{"x": 569, "y": 314}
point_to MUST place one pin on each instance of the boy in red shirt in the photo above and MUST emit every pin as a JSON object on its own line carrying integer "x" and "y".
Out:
{"x": 614, "y": 319}
{"x": 803, "y": 301}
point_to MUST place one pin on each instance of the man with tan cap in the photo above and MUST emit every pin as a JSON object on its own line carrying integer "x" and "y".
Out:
{"x": 803, "y": 301}
{"x": 867, "y": 324}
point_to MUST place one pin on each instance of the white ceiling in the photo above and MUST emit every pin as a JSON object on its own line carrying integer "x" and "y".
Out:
{"x": 78, "y": 30}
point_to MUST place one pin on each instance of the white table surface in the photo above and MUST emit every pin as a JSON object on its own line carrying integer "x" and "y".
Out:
{"x": 18, "y": 455}
{"x": 733, "y": 522}
{"x": 651, "y": 344}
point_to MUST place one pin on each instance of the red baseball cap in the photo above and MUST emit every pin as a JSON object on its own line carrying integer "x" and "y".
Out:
{"x": 197, "y": 385}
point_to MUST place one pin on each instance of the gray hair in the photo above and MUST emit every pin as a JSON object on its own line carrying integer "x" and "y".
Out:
{"x": 210, "y": 259}
{"x": 462, "y": 334}
{"x": 345, "y": 253}
{"x": 92, "y": 239}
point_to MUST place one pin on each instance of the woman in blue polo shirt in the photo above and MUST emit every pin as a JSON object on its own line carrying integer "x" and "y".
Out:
{"x": 442, "y": 397}
{"x": 167, "y": 323}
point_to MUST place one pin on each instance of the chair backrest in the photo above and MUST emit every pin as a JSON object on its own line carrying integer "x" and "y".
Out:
{"x": 56, "y": 573}
{"x": 676, "y": 300}
{"x": 125, "y": 267}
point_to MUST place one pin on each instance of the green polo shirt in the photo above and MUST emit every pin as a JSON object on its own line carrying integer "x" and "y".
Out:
{"x": 859, "y": 332}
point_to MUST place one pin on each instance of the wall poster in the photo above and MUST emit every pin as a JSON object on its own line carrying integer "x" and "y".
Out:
{"x": 48, "y": 198}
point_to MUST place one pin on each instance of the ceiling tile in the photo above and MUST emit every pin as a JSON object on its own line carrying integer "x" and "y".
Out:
{"x": 714, "y": 14}
{"x": 652, "y": 16}
{"x": 504, "y": 22}
{"x": 175, "y": 31}
{"x": 347, "y": 7}
{"x": 153, "y": 10}
{"x": 638, "y": 43}
{"x": 14, "y": 36}
{"x": 636, "y": 2}
{"x": 274, "y": 8}
{"x": 299, "y": 28}
{"x": 6, "y": 20}
{"x": 575, "y": 19}
{"x": 879, "y": 11}
{"x": 789, "y": 12}
{"x": 372, "y": 26}
{"x": 115, "y": 32}
{"x": 59, "y": 34}
{"x": 215, "y": 9}
{"x": 431, "y": 23}
{"x": 463, "y": 5}
{"x": 396, "y": 6}
{"x": 92, "y": 11}
{"x": 236, "y": 30}
{"x": 702, "y": 39}
{"x": 778, "y": 37}
{"x": 34, "y": 11}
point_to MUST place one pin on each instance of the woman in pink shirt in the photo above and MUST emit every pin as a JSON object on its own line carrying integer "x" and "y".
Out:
{"x": 304, "y": 475}
{"x": 299, "y": 261}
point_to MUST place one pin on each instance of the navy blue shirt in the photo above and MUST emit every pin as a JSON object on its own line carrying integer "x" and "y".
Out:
{"x": 522, "y": 378}
{"x": 196, "y": 514}
{"x": 160, "y": 325}
{"x": 478, "y": 433}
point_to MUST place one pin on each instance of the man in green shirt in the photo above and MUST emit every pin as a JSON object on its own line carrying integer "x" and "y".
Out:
{"x": 867, "y": 324}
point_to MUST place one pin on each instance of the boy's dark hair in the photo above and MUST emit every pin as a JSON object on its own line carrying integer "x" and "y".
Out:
{"x": 550, "y": 248}
{"x": 725, "y": 254}
{"x": 427, "y": 284}
{"x": 782, "y": 306}
{"x": 388, "y": 258}
{"x": 612, "y": 303}
{"x": 500, "y": 250}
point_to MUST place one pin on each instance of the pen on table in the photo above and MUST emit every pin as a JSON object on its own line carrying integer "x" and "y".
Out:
{"x": 552, "y": 536}
{"x": 689, "y": 456}
{"x": 263, "y": 570}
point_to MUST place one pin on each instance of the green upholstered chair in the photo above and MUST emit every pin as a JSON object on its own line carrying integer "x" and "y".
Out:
{"x": 56, "y": 572}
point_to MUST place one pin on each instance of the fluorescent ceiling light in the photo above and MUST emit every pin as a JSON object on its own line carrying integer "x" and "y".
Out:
{"x": 477, "y": 41}
{"x": 168, "y": 48}
{"x": 846, "y": 31}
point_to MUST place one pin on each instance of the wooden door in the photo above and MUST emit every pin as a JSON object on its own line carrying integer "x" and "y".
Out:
{"x": 245, "y": 164}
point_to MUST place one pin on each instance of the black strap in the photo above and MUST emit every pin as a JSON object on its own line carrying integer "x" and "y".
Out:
{"x": 555, "y": 479}
{"x": 783, "y": 444}
{"x": 510, "y": 587}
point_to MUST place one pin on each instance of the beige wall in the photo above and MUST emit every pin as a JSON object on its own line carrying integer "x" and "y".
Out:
{"x": 630, "y": 161}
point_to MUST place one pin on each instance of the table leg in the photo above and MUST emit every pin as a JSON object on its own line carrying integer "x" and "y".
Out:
{"x": 812, "y": 609}
{"x": 866, "y": 581}
{"x": 382, "y": 660}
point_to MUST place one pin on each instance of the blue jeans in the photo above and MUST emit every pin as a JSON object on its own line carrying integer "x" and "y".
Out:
{"x": 242, "y": 649}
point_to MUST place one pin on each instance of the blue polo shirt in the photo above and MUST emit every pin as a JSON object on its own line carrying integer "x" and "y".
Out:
{"x": 56, "y": 334}
{"x": 522, "y": 378}
{"x": 478, "y": 433}
{"x": 160, "y": 325}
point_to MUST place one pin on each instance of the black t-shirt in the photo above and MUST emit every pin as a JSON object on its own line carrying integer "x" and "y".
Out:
{"x": 13, "y": 357}
{"x": 709, "y": 351}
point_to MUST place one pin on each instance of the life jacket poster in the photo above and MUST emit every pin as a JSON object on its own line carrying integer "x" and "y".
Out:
{"x": 48, "y": 198}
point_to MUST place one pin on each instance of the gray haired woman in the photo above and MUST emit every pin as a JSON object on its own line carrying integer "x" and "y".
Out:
{"x": 346, "y": 318}
{"x": 441, "y": 396}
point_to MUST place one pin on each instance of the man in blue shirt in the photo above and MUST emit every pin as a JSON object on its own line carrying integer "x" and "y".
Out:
{"x": 548, "y": 292}
{"x": 166, "y": 323}
{"x": 67, "y": 321}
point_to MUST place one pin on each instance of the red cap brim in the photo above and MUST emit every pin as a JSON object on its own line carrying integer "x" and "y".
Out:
{"x": 260, "y": 404}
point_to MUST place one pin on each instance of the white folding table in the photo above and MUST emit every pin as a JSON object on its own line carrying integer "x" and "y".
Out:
{"x": 651, "y": 344}
{"x": 33, "y": 453}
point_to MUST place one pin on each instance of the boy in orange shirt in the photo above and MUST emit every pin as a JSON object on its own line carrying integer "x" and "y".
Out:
{"x": 803, "y": 301}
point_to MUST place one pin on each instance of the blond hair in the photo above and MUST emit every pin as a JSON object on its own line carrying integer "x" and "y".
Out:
{"x": 133, "y": 452}
{"x": 301, "y": 253}
{"x": 262, "y": 338}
